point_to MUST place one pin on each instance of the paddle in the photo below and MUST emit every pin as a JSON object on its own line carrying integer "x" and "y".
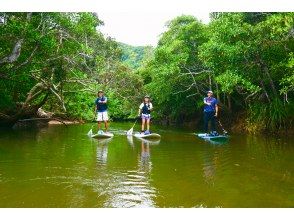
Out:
{"x": 130, "y": 132}
{"x": 225, "y": 132}
{"x": 94, "y": 116}
{"x": 90, "y": 133}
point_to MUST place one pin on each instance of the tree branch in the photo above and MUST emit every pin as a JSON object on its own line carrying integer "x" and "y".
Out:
{"x": 14, "y": 54}
{"x": 29, "y": 58}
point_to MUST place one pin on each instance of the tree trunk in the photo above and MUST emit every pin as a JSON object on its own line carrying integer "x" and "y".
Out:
{"x": 217, "y": 91}
{"x": 14, "y": 54}
{"x": 266, "y": 72}
{"x": 229, "y": 103}
{"x": 264, "y": 91}
{"x": 209, "y": 81}
{"x": 22, "y": 112}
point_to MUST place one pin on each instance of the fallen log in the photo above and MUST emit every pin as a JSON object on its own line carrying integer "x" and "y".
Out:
{"x": 42, "y": 119}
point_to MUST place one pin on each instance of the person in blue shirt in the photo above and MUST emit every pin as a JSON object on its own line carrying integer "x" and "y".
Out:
{"x": 101, "y": 110}
{"x": 210, "y": 112}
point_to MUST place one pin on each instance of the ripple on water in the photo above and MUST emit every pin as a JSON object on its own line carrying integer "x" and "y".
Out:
{"x": 132, "y": 189}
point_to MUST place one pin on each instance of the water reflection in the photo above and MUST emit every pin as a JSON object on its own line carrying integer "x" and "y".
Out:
{"x": 145, "y": 163}
{"x": 210, "y": 162}
{"x": 102, "y": 150}
{"x": 62, "y": 167}
{"x": 217, "y": 160}
{"x": 133, "y": 187}
{"x": 131, "y": 140}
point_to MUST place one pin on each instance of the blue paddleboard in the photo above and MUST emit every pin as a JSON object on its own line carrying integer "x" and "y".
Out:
{"x": 213, "y": 138}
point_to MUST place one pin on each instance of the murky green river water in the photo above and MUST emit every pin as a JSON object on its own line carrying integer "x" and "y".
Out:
{"x": 62, "y": 167}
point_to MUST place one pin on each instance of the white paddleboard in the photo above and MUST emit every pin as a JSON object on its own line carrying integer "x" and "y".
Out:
{"x": 150, "y": 141}
{"x": 102, "y": 135}
{"x": 147, "y": 136}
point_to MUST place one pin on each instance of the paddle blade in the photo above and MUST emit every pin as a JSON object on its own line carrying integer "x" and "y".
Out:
{"x": 130, "y": 132}
{"x": 90, "y": 133}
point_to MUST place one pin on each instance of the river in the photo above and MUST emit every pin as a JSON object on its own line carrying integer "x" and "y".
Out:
{"x": 61, "y": 166}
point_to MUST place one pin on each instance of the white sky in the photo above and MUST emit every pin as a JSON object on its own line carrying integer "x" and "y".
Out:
{"x": 140, "y": 28}
{"x": 140, "y": 22}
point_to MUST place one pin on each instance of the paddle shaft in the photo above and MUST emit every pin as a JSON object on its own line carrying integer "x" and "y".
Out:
{"x": 135, "y": 123}
{"x": 95, "y": 115}
{"x": 221, "y": 125}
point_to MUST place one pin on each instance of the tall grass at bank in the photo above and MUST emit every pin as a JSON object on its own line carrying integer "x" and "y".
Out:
{"x": 269, "y": 117}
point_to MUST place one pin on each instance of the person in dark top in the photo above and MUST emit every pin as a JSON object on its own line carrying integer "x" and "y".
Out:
{"x": 144, "y": 112}
{"x": 210, "y": 112}
{"x": 101, "y": 110}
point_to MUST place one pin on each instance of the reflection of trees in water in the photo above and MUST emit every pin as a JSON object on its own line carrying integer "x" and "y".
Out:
{"x": 269, "y": 149}
{"x": 215, "y": 160}
{"x": 210, "y": 162}
{"x": 270, "y": 156}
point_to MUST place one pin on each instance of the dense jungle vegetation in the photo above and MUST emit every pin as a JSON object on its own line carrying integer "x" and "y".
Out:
{"x": 58, "y": 61}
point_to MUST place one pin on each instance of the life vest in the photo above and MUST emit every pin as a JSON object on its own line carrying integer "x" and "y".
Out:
{"x": 101, "y": 107}
{"x": 145, "y": 109}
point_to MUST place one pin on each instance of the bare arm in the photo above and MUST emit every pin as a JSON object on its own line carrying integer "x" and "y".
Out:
{"x": 105, "y": 101}
{"x": 150, "y": 107}
{"x": 216, "y": 110}
{"x": 206, "y": 103}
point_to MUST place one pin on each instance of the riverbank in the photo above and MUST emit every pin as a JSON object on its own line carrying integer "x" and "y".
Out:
{"x": 66, "y": 122}
{"x": 235, "y": 124}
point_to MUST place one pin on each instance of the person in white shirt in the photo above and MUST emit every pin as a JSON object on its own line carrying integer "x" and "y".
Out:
{"x": 144, "y": 112}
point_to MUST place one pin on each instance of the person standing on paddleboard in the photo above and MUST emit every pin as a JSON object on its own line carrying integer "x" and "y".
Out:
{"x": 210, "y": 112}
{"x": 144, "y": 112}
{"x": 101, "y": 110}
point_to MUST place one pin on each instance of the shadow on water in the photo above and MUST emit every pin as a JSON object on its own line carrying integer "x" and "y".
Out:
{"x": 63, "y": 167}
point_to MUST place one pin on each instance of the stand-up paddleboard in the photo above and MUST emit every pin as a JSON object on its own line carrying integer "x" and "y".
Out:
{"x": 213, "y": 138}
{"x": 147, "y": 136}
{"x": 100, "y": 134}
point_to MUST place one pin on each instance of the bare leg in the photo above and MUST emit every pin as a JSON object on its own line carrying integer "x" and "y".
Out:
{"x": 148, "y": 124}
{"x": 106, "y": 126}
{"x": 143, "y": 124}
{"x": 99, "y": 125}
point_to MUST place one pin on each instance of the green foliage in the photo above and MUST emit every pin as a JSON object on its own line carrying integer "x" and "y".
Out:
{"x": 246, "y": 58}
{"x": 135, "y": 56}
{"x": 248, "y": 54}
{"x": 229, "y": 80}
{"x": 80, "y": 106}
{"x": 287, "y": 82}
{"x": 166, "y": 76}
{"x": 60, "y": 61}
{"x": 273, "y": 117}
